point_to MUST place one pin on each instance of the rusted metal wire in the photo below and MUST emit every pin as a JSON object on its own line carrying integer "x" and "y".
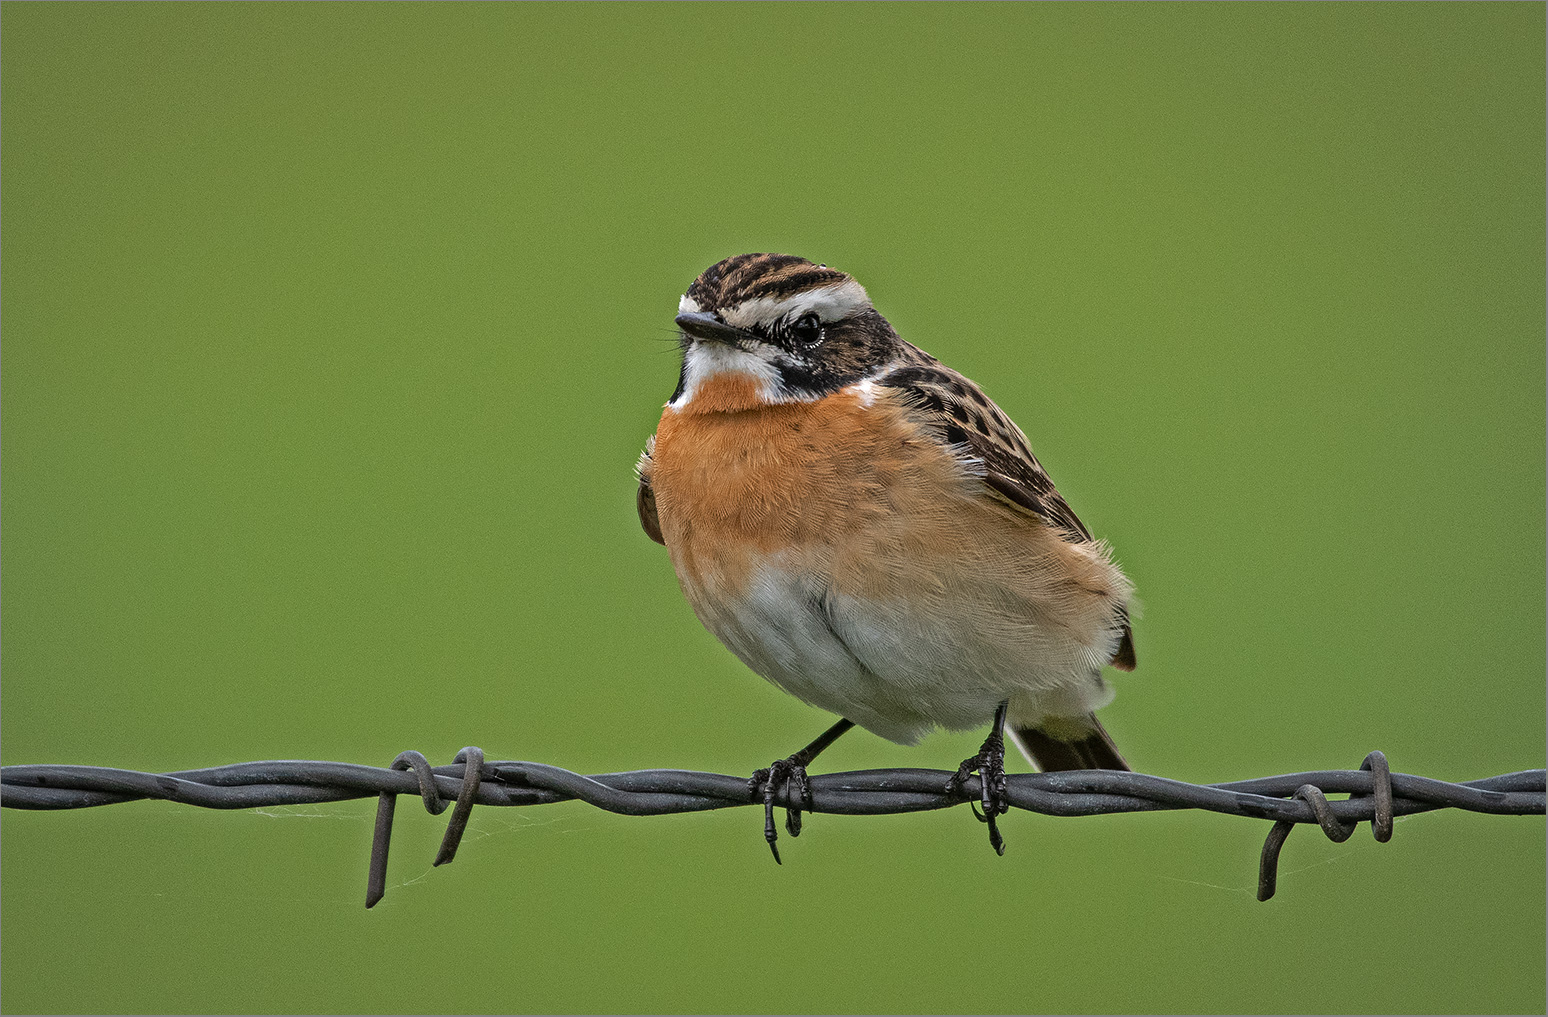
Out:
{"x": 1376, "y": 795}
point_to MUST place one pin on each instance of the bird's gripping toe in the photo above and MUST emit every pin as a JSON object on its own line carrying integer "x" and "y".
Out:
{"x": 990, "y": 764}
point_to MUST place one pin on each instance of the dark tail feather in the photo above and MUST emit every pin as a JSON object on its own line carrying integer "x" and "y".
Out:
{"x": 1124, "y": 659}
{"x": 1094, "y": 751}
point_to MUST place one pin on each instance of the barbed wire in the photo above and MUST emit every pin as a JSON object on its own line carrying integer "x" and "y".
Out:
{"x": 1376, "y": 794}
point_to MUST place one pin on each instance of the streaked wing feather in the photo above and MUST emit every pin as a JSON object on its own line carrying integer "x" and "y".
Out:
{"x": 964, "y": 416}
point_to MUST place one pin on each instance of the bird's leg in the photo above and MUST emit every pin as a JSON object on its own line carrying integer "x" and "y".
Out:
{"x": 790, "y": 772}
{"x": 990, "y": 764}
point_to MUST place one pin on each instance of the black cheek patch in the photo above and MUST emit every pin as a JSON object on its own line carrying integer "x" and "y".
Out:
{"x": 852, "y": 348}
{"x": 811, "y": 379}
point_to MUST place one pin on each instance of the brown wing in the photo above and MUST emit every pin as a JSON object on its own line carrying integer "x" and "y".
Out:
{"x": 967, "y": 418}
{"x": 645, "y": 497}
{"x": 970, "y": 420}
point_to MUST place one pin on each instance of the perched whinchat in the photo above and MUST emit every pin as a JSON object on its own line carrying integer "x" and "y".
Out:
{"x": 864, "y": 528}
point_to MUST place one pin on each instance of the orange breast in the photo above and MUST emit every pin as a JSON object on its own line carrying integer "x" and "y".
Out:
{"x": 734, "y": 487}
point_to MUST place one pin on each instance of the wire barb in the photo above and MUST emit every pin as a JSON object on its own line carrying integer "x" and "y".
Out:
{"x": 473, "y": 758}
{"x": 1381, "y": 820}
{"x": 1375, "y": 794}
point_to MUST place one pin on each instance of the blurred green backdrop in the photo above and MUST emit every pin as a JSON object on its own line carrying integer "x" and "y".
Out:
{"x": 331, "y": 334}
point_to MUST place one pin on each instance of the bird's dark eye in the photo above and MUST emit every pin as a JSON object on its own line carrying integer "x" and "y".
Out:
{"x": 807, "y": 329}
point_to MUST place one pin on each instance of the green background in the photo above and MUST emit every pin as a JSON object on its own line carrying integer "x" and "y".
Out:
{"x": 331, "y": 335}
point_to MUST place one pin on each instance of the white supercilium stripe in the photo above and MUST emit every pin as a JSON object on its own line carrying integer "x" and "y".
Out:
{"x": 830, "y": 303}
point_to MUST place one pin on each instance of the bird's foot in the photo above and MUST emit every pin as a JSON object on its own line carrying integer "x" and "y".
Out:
{"x": 990, "y": 764}
{"x": 765, "y": 784}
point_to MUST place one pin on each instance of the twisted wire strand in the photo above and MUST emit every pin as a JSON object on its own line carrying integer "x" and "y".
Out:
{"x": 1376, "y": 795}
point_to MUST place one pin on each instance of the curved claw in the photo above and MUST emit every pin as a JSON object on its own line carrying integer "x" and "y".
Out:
{"x": 765, "y": 784}
{"x": 990, "y": 764}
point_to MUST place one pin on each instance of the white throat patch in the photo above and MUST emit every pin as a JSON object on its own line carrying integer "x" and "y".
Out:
{"x": 702, "y": 361}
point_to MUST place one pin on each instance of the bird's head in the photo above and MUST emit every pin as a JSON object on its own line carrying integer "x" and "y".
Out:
{"x": 789, "y": 329}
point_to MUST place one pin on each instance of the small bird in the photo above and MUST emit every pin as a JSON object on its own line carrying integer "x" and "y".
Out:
{"x": 864, "y": 528}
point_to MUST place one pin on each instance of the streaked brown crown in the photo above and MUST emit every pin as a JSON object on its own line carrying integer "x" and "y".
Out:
{"x": 748, "y": 276}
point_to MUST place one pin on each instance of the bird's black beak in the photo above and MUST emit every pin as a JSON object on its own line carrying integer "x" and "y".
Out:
{"x": 705, "y": 326}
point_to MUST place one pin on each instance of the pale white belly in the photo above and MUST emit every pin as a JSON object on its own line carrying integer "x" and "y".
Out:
{"x": 900, "y": 666}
